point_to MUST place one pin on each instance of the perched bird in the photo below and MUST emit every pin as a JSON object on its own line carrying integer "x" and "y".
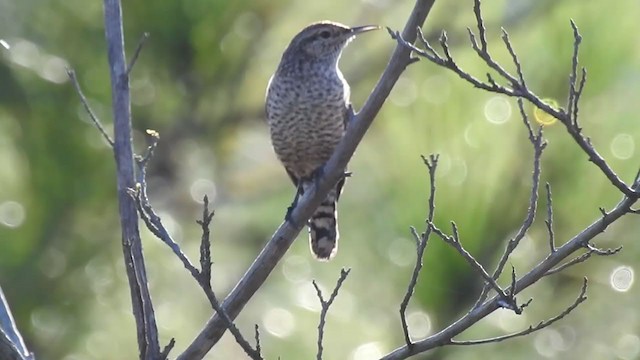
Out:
{"x": 307, "y": 106}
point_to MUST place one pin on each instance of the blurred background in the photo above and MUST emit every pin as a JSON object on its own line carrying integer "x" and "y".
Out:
{"x": 200, "y": 83}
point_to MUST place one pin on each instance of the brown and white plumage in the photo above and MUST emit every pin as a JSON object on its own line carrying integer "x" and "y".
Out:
{"x": 307, "y": 108}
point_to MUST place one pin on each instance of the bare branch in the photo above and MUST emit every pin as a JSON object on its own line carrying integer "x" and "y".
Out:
{"x": 549, "y": 221}
{"x": 519, "y": 89}
{"x": 167, "y": 349}
{"x": 444, "y": 336}
{"x": 539, "y": 145}
{"x": 506, "y": 300}
{"x": 582, "y": 258}
{"x": 325, "y": 307}
{"x": 541, "y": 325}
{"x": 421, "y": 244}
{"x": 257, "y": 337}
{"x": 203, "y": 276}
{"x": 143, "y": 312}
{"x": 205, "y": 243}
{"x": 136, "y": 53}
{"x": 72, "y": 75}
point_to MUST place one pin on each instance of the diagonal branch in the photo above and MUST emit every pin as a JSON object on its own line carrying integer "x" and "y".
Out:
{"x": 531, "y": 329}
{"x": 444, "y": 336}
{"x": 83, "y": 99}
{"x": 155, "y": 225}
{"x": 282, "y": 239}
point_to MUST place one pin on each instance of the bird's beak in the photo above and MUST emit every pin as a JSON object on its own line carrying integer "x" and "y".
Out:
{"x": 360, "y": 29}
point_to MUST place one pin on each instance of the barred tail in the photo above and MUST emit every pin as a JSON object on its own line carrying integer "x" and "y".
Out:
{"x": 323, "y": 226}
{"x": 323, "y": 229}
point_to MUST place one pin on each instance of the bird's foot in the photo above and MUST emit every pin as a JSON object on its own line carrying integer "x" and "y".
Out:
{"x": 351, "y": 114}
{"x": 317, "y": 177}
{"x": 288, "y": 216}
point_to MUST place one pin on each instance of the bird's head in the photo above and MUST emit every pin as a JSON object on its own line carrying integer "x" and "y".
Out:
{"x": 325, "y": 40}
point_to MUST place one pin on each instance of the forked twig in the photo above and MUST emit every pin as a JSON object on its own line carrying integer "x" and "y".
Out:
{"x": 325, "y": 304}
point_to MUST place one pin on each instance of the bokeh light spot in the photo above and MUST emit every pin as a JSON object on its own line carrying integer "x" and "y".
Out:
{"x": 404, "y": 93}
{"x": 419, "y": 323}
{"x": 549, "y": 342}
{"x": 436, "y": 89}
{"x": 296, "y": 269}
{"x": 402, "y": 252}
{"x": 12, "y": 214}
{"x": 367, "y": 351}
{"x": 4, "y": 44}
{"x": 202, "y": 187}
{"x": 628, "y": 347}
{"x": 623, "y": 146}
{"x": 279, "y": 322}
{"x": 54, "y": 69}
{"x": 542, "y": 117}
{"x": 497, "y": 110}
{"x": 307, "y": 298}
{"x": 622, "y": 278}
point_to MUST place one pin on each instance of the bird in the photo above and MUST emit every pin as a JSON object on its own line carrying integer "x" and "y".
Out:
{"x": 307, "y": 108}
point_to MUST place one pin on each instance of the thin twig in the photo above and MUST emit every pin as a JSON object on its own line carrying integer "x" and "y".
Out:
{"x": 167, "y": 349}
{"x": 83, "y": 99}
{"x": 519, "y": 89}
{"x": 584, "y": 257}
{"x": 136, "y": 53}
{"x": 541, "y": 325}
{"x": 325, "y": 307}
{"x": 421, "y": 244}
{"x": 539, "y": 144}
{"x": 155, "y": 225}
{"x": 549, "y": 221}
{"x": 507, "y": 301}
{"x": 205, "y": 243}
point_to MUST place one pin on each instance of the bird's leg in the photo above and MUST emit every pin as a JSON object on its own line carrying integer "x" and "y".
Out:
{"x": 317, "y": 176}
{"x": 299, "y": 193}
{"x": 351, "y": 115}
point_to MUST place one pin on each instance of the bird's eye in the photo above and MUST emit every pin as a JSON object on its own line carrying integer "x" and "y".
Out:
{"x": 325, "y": 34}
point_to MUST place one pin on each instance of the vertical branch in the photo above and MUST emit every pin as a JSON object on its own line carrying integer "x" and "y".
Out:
{"x": 421, "y": 245}
{"x": 123, "y": 150}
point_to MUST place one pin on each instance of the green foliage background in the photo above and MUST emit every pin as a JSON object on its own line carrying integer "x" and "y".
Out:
{"x": 200, "y": 82}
